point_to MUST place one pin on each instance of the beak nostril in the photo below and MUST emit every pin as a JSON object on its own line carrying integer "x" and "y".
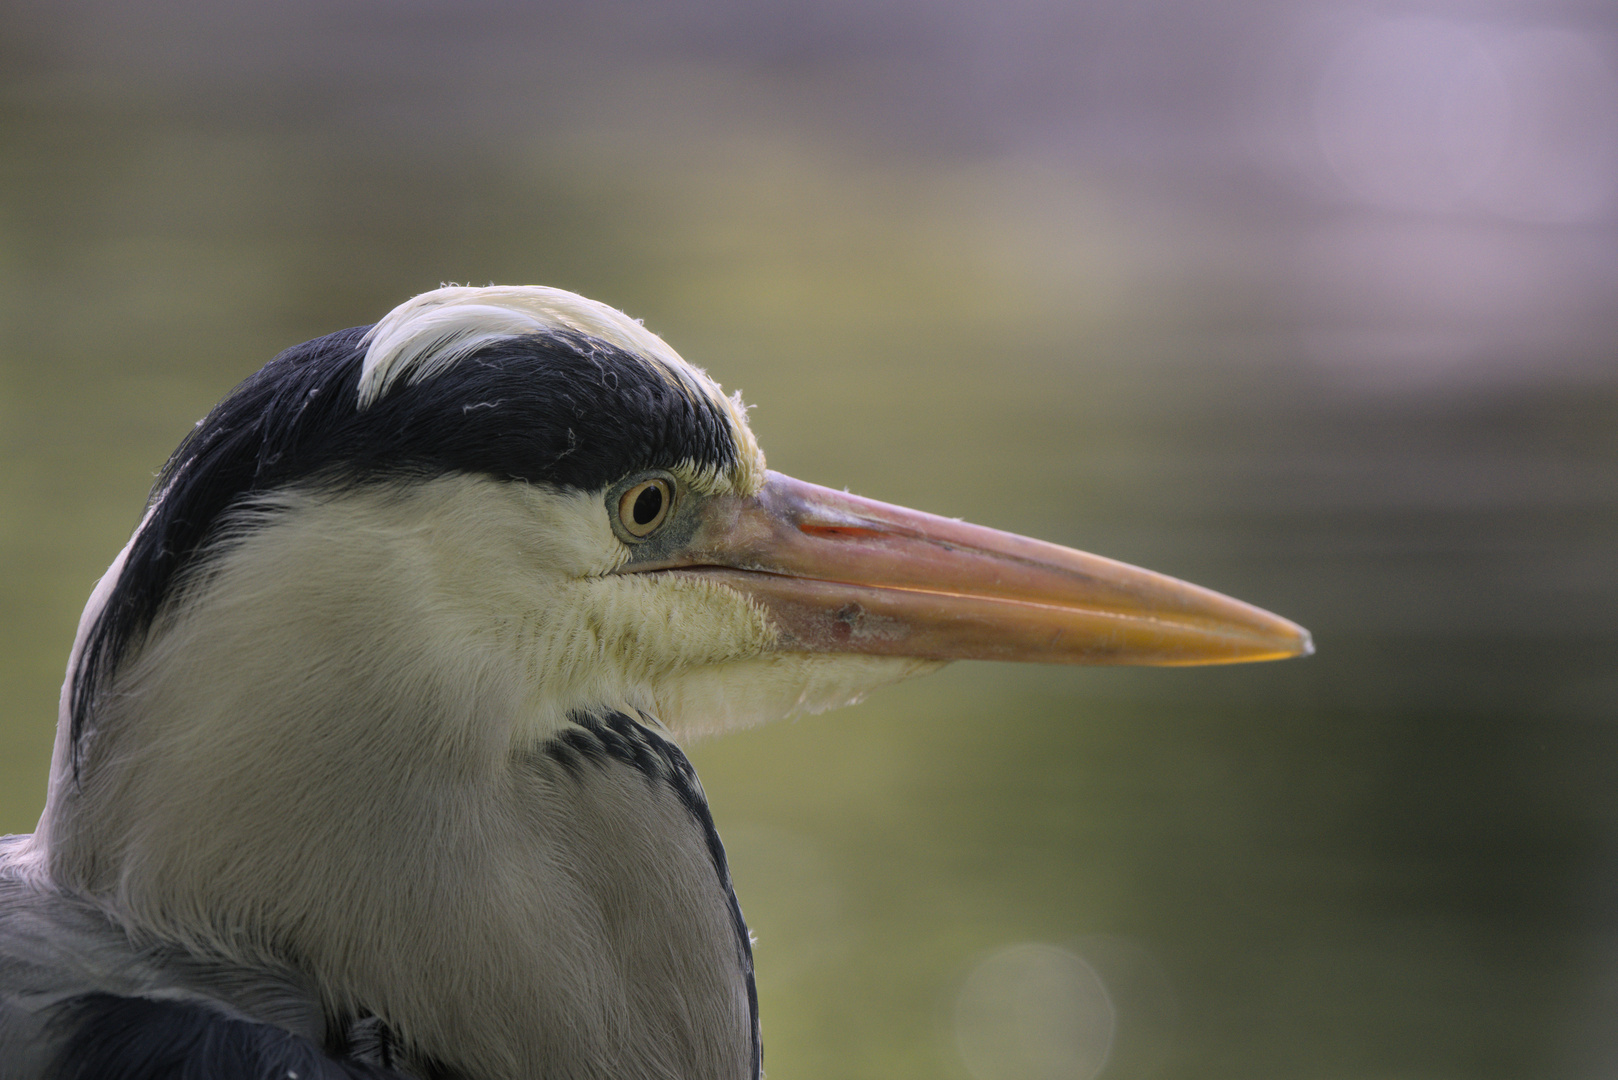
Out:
{"x": 841, "y": 532}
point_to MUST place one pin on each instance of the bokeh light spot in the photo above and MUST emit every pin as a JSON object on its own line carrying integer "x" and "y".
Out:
{"x": 1034, "y": 1012}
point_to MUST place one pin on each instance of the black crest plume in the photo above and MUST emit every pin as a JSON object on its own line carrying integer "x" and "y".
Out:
{"x": 557, "y": 408}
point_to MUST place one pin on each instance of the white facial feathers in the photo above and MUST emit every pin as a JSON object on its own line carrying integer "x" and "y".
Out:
{"x": 494, "y": 601}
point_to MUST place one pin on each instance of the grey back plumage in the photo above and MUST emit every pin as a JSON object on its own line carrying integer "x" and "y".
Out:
{"x": 56, "y": 948}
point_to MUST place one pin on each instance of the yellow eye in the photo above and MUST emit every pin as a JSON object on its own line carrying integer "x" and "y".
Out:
{"x": 644, "y": 507}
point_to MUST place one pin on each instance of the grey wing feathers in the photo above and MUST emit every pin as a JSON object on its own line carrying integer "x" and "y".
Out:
{"x": 79, "y": 1000}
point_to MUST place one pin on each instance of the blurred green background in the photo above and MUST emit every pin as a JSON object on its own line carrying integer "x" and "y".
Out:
{"x": 1315, "y": 304}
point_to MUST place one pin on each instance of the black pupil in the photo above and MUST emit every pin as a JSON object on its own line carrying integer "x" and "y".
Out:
{"x": 648, "y": 504}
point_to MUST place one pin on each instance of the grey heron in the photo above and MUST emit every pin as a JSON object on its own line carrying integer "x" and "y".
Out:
{"x": 367, "y": 762}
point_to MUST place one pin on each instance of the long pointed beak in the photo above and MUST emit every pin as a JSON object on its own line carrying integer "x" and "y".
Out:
{"x": 838, "y": 573}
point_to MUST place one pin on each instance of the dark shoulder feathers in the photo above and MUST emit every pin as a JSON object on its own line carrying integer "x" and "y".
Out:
{"x": 558, "y": 408}
{"x": 135, "y": 1038}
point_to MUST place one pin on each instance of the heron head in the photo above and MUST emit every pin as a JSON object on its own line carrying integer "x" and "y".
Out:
{"x": 515, "y": 502}
{"x": 306, "y": 706}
